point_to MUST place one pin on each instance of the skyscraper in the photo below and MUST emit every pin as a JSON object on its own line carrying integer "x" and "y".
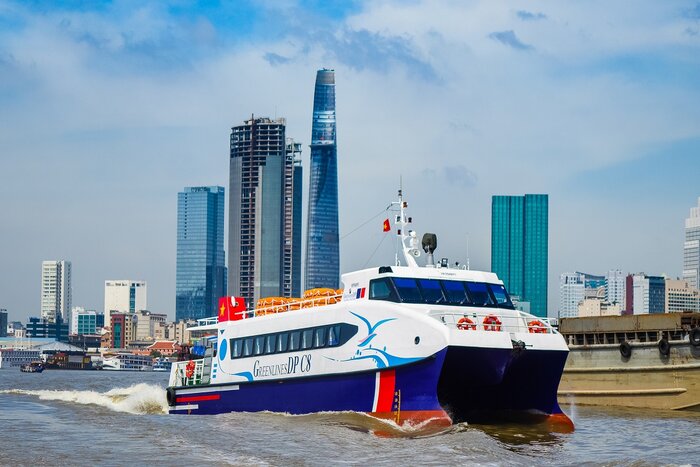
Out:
{"x": 201, "y": 266}
{"x": 264, "y": 211}
{"x": 56, "y": 294}
{"x": 519, "y": 247}
{"x": 691, "y": 248}
{"x": 322, "y": 249}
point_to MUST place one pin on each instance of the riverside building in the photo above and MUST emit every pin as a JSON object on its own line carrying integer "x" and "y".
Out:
{"x": 691, "y": 248}
{"x": 645, "y": 294}
{"x": 201, "y": 265}
{"x": 322, "y": 242}
{"x": 615, "y": 287}
{"x": 519, "y": 247}
{"x": 56, "y": 294}
{"x": 681, "y": 296}
{"x": 264, "y": 211}
{"x": 125, "y": 296}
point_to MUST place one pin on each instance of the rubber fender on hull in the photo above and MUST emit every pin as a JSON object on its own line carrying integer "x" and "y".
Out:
{"x": 664, "y": 347}
{"x": 170, "y": 396}
{"x": 626, "y": 349}
{"x": 695, "y": 336}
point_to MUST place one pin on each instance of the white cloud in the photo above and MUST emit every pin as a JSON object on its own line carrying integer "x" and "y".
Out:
{"x": 106, "y": 116}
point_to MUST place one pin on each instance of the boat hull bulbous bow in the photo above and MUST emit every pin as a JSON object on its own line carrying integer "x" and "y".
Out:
{"x": 480, "y": 385}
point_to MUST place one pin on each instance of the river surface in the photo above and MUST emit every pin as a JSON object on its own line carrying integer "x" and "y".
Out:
{"x": 120, "y": 418}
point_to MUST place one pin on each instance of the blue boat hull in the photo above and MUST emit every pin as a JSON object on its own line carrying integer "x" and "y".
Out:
{"x": 516, "y": 382}
{"x": 404, "y": 393}
{"x": 457, "y": 383}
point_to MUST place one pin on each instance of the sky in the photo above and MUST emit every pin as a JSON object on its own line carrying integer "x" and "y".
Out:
{"x": 108, "y": 109}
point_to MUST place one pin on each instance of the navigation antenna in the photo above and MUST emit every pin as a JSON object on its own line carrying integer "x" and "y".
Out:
{"x": 406, "y": 237}
{"x": 468, "y": 252}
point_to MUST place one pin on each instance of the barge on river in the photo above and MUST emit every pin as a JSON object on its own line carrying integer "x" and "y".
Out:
{"x": 406, "y": 343}
{"x": 644, "y": 361}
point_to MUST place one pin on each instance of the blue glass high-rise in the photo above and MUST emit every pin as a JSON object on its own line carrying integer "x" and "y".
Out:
{"x": 519, "y": 247}
{"x": 322, "y": 248}
{"x": 201, "y": 274}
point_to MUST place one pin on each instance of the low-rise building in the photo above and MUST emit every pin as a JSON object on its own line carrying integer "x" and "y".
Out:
{"x": 148, "y": 324}
{"x": 598, "y": 307}
{"x": 681, "y": 296}
{"x": 123, "y": 328}
{"x": 164, "y": 348}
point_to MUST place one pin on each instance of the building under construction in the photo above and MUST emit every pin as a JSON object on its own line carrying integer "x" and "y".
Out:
{"x": 265, "y": 187}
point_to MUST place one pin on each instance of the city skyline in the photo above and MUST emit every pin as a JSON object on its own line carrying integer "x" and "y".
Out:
{"x": 538, "y": 98}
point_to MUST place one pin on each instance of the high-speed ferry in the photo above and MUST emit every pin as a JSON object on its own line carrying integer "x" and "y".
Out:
{"x": 406, "y": 343}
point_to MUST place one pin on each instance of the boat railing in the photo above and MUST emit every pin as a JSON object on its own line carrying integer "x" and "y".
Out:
{"x": 291, "y": 304}
{"x": 208, "y": 321}
{"x": 179, "y": 373}
{"x": 492, "y": 320}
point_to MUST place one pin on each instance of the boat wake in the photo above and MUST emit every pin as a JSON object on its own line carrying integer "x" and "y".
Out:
{"x": 137, "y": 399}
{"x": 380, "y": 427}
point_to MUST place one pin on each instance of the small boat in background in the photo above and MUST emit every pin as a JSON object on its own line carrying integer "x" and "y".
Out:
{"x": 33, "y": 367}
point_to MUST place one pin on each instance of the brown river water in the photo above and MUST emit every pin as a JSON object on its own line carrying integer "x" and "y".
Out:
{"x": 120, "y": 418}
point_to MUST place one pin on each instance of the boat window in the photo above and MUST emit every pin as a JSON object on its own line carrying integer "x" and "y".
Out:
{"x": 259, "y": 345}
{"x": 479, "y": 294}
{"x": 282, "y": 342}
{"x": 329, "y": 335}
{"x": 432, "y": 292}
{"x": 333, "y": 335}
{"x": 307, "y": 337}
{"x": 247, "y": 346}
{"x": 294, "y": 338}
{"x": 381, "y": 289}
{"x": 236, "y": 348}
{"x": 501, "y": 295}
{"x": 455, "y": 292}
{"x": 320, "y": 337}
{"x": 408, "y": 290}
{"x": 270, "y": 341}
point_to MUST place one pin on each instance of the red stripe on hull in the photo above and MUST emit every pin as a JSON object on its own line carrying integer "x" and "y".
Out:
{"x": 208, "y": 397}
{"x": 387, "y": 384}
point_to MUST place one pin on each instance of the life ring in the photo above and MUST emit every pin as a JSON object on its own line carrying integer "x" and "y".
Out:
{"x": 695, "y": 336}
{"x": 465, "y": 323}
{"x": 189, "y": 369}
{"x": 492, "y": 323}
{"x": 170, "y": 396}
{"x": 664, "y": 347}
{"x": 537, "y": 327}
{"x": 626, "y": 349}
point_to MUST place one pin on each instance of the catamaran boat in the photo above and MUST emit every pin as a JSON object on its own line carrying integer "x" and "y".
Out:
{"x": 406, "y": 343}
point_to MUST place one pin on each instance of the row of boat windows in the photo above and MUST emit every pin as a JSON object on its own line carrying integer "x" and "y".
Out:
{"x": 439, "y": 292}
{"x": 318, "y": 337}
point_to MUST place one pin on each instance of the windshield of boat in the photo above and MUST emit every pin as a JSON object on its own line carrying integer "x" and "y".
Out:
{"x": 439, "y": 292}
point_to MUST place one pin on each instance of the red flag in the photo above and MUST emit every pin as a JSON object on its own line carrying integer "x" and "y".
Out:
{"x": 387, "y": 226}
{"x": 231, "y": 308}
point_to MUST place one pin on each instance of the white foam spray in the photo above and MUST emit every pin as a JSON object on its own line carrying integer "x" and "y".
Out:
{"x": 137, "y": 399}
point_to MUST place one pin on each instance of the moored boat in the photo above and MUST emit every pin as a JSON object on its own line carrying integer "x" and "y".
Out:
{"x": 644, "y": 361}
{"x": 33, "y": 367}
{"x": 406, "y": 343}
{"x": 125, "y": 361}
